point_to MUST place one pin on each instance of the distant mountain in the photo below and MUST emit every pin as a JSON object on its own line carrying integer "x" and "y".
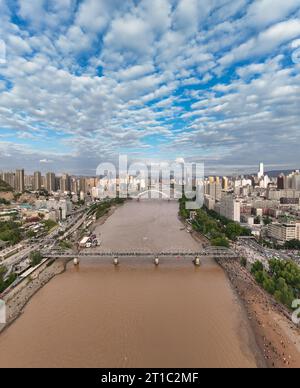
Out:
{"x": 275, "y": 173}
{"x": 4, "y": 187}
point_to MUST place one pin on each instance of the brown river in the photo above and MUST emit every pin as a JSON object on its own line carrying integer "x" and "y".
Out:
{"x": 135, "y": 315}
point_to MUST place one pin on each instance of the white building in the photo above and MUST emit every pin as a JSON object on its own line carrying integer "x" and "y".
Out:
{"x": 261, "y": 172}
{"x": 63, "y": 207}
{"x": 284, "y": 232}
{"x": 209, "y": 202}
{"x": 230, "y": 208}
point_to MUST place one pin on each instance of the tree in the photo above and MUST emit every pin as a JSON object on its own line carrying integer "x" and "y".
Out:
{"x": 282, "y": 280}
{"x": 220, "y": 242}
{"x": 257, "y": 267}
{"x": 293, "y": 245}
{"x": 269, "y": 285}
{"x": 260, "y": 277}
{"x": 35, "y": 258}
{"x": 31, "y": 234}
{"x": 257, "y": 220}
{"x": 4, "y": 284}
{"x": 267, "y": 220}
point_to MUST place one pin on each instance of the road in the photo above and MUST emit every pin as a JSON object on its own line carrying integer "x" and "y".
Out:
{"x": 48, "y": 242}
{"x": 253, "y": 252}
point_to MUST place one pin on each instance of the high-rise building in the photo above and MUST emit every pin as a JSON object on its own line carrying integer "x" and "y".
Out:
{"x": 74, "y": 185}
{"x": 215, "y": 190}
{"x": 281, "y": 185}
{"x": 65, "y": 183}
{"x": 29, "y": 182}
{"x": 225, "y": 183}
{"x": 20, "y": 181}
{"x": 82, "y": 184}
{"x": 37, "y": 181}
{"x": 230, "y": 208}
{"x": 261, "y": 172}
{"x": 9, "y": 178}
{"x": 50, "y": 182}
{"x": 296, "y": 181}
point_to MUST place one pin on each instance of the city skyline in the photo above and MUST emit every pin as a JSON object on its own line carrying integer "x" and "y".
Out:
{"x": 213, "y": 82}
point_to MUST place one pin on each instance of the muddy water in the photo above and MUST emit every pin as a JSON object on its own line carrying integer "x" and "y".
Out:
{"x": 135, "y": 315}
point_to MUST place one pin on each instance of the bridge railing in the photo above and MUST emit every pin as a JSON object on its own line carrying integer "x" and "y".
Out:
{"x": 205, "y": 253}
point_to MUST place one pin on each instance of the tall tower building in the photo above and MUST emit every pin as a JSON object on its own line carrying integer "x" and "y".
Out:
{"x": 225, "y": 183}
{"x": 20, "y": 181}
{"x": 65, "y": 183}
{"x": 281, "y": 182}
{"x": 37, "y": 181}
{"x": 50, "y": 182}
{"x": 296, "y": 181}
{"x": 261, "y": 172}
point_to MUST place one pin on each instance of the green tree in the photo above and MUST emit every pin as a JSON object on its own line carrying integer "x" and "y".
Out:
{"x": 257, "y": 267}
{"x": 35, "y": 258}
{"x": 220, "y": 242}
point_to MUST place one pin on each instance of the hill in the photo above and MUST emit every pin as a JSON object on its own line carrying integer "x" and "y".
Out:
{"x": 4, "y": 187}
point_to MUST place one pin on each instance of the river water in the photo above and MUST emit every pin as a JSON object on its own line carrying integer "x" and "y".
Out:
{"x": 135, "y": 315}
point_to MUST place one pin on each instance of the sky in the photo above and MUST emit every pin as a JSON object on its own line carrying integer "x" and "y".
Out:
{"x": 213, "y": 81}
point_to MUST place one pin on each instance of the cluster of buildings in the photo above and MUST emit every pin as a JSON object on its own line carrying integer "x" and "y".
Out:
{"x": 269, "y": 206}
{"x": 56, "y": 206}
{"x": 50, "y": 182}
{"x": 55, "y": 209}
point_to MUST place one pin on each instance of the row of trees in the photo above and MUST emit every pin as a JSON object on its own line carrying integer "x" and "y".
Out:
{"x": 282, "y": 280}
{"x": 218, "y": 229}
{"x": 100, "y": 209}
{"x": 293, "y": 244}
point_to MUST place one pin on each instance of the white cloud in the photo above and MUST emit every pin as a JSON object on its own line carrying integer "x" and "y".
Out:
{"x": 264, "y": 12}
{"x": 104, "y": 75}
{"x": 266, "y": 42}
{"x": 131, "y": 34}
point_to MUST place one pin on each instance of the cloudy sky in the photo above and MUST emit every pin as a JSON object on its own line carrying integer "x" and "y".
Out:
{"x": 207, "y": 80}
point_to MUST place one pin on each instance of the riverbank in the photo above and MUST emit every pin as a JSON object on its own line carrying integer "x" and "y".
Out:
{"x": 17, "y": 299}
{"x": 277, "y": 337}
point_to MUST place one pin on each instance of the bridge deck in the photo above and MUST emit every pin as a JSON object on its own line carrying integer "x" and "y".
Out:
{"x": 218, "y": 253}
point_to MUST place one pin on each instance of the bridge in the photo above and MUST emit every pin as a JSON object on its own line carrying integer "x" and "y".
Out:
{"x": 215, "y": 253}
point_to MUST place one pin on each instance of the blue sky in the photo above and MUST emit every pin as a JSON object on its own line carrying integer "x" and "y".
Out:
{"x": 204, "y": 80}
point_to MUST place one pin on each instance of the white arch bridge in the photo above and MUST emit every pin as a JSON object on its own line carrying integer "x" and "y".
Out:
{"x": 158, "y": 193}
